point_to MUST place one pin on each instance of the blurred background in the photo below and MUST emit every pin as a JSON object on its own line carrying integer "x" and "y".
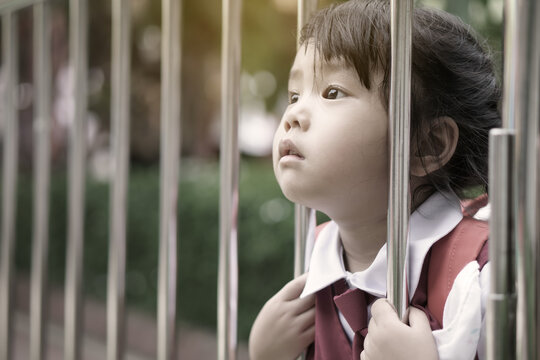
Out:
{"x": 265, "y": 216}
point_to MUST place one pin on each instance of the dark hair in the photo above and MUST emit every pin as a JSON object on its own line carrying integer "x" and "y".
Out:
{"x": 452, "y": 75}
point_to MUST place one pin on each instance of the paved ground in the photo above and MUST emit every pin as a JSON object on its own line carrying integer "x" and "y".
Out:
{"x": 193, "y": 343}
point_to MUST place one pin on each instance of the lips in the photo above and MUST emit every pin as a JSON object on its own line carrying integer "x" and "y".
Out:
{"x": 288, "y": 148}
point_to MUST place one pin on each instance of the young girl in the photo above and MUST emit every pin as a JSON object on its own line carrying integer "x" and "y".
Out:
{"x": 331, "y": 154}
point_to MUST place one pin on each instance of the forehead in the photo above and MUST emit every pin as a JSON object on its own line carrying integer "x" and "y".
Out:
{"x": 309, "y": 61}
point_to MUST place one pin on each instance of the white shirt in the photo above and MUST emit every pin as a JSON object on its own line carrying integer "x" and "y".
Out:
{"x": 463, "y": 317}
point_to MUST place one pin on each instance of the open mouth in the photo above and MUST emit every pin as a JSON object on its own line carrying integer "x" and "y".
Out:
{"x": 288, "y": 148}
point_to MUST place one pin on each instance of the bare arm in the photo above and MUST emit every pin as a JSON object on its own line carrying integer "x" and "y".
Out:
{"x": 285, "y": 325}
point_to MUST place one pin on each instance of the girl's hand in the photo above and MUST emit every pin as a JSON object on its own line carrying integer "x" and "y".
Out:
{"x": 389, "y": 338}
{"x": 285, "y": 325}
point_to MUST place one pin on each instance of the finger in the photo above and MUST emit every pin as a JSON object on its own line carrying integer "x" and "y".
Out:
{"x": 301, "y": 305}
{"x": 382, "y": 311}
{"x": 363, "y": 355}
{"x": 368, "y": 346}
{"x": 308, "y": 336}
{"x": 371, "y": 327}
{"x": 418, "y": 319}
{"x": 305, "y": 319}
{"x": 293, "y": 288}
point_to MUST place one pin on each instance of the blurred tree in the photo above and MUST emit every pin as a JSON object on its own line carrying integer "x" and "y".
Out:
{"x": 459, "y": 8}
{"x": 268, "y": 44}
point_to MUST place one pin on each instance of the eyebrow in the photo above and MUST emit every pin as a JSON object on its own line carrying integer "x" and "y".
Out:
{"x": 328, "y": 68}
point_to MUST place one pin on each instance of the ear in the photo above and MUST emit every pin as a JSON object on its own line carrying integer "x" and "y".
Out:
{"x": 437, "y": 147}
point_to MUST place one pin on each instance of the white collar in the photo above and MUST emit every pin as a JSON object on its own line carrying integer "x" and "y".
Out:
{"x": 434, "y": 219}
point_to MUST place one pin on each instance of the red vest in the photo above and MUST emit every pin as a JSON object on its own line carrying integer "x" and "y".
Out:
{"x": 444, "y": 261}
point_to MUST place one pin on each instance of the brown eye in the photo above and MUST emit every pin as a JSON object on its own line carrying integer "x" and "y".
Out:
{"x": 332, "y": 93}
{"x": 293, "y": 97}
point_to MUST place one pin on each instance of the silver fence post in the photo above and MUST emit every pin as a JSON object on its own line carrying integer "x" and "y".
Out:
{"x": 306, "y": 8}
{"x": 399, "y": 194}
{"x": 120, "y": 100}
{"x": 304, "y": 217}
{"x": 169, "y": 168}
{"x": 42, "y": 153}
{"x": 10, "y": 71}
{"x": 15, "y": 5}
{"x": 231, "y": 45}
{"x": 501, "y": 308}
{"x": 523, "y": 31}
{"x": 78, "y": 51}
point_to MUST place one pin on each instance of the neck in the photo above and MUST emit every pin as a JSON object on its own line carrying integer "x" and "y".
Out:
{"x": 361, "y": 242}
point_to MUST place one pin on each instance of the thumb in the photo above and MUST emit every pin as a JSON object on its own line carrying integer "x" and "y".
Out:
{"x": 363, "y": 355}
{"x": 294, "y": 288}
{"x": 418, "y": 319}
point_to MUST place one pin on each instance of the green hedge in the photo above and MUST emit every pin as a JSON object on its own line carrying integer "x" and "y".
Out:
{"x": 265, "y": 236}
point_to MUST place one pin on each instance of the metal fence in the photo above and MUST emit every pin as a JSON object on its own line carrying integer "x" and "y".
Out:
{"x": 514, "y": 177}
{"x": 514, "y": 329}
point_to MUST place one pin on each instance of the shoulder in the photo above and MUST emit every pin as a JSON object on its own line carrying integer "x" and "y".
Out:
{"x": 461, "y": 280}
{"x": 465, "y": 245}
{"x": 463, "y": 317}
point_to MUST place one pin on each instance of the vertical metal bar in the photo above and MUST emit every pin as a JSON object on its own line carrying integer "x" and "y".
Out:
{"x": 229, "y": 168}
{"x": 10, "y": 52}
{"x": 522, "y": 109}
{"x": 15, "y": 5}
{"x": 537, "y": 214}
{"x": 510, "y": 58}
{"x": 121, "y": 66}
{"x": 303, "y": 216}
{"x": 42, "y": 151}
{"x": 78, "y": 51}
{"x": 170, "y": 159}
{"x": 306, "y": 8}
{"x": 399, "y": 111}
{"x": 501, "y": 309}
{"x": 305, "y": 222}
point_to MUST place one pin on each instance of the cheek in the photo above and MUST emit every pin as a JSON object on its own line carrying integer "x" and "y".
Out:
{"x": 275, "y": 144}
{"x": 278, "y": 135}
{"x": 360, "y": 154}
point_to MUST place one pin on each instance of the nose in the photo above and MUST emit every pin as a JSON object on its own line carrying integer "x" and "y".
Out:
{"x": 297, "y": 117}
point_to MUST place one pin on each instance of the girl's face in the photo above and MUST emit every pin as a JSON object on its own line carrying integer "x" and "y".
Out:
{"x": 330, "y": 150}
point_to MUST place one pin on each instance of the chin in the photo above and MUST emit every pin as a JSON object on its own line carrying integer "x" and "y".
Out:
{"x": 292, "y": 195}
{"x": 304, "y": 193}
{"x": 301, "y": 197}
